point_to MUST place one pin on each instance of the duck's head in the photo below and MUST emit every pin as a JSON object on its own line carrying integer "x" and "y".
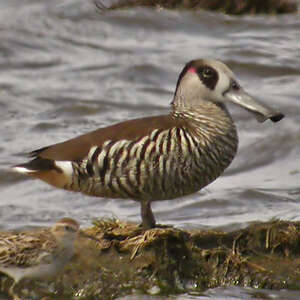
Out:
{"x": 211, "y": 80}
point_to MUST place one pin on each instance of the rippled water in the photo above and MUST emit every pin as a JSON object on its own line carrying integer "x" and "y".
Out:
{"x": 67, "y": 69}
{"x": 229, "y": 293}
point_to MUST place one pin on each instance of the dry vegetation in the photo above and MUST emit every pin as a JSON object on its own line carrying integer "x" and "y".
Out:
{"x": 121, "y": 259}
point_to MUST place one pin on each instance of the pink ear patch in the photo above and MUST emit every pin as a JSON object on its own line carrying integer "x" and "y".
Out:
{"x": 192, "y": 70}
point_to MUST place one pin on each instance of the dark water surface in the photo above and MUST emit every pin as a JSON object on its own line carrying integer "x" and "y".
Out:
{"x": 229, "y": 293}
{"x": 66, "y": 69}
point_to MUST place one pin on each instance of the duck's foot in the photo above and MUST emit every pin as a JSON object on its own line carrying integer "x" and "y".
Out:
{"x": 141, "y": 225}
{"x": 163, "y": 226}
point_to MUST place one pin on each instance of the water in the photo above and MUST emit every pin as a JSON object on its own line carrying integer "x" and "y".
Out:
{"x": 229, "y": 293}
{"x": 66, "y": 69}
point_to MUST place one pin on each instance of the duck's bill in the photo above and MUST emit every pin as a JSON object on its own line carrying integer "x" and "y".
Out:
{"x": 261, "y": 111}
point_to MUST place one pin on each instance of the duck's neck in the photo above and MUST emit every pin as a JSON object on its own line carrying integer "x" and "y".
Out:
{"x": 212, "y": 126}
{"x": 211, "y": 117}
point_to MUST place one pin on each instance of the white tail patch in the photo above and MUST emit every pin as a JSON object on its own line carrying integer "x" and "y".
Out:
{"x": 59, "y": 175}
{"x": 63, "y": 180}
{"x": 65, "y": 166}
{"x": 23, "y": 170}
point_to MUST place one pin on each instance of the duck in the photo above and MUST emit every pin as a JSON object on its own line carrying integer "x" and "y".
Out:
{"x": 160, "y": 157}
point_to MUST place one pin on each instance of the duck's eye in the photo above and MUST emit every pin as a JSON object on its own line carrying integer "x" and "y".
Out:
{"x": 235, "y": 85}
{"x": 69, "y": 228}
{"x": 207, "y": 72}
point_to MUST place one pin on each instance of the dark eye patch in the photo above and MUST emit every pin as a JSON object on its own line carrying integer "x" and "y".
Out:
{"x": 208, "y": 76}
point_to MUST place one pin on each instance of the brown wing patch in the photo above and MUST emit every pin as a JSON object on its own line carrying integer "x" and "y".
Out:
{"x": 77, "y": 148}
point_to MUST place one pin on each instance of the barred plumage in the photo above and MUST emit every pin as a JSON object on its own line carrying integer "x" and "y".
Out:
{"x": 148, "y": 167}
{"x": 156, "y": 158}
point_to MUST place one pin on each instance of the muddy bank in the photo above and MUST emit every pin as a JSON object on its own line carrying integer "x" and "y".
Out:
{"x": 120, "y": 259}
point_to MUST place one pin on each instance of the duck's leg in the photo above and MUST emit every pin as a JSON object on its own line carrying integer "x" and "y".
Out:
{"x": 148, "y": 220}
